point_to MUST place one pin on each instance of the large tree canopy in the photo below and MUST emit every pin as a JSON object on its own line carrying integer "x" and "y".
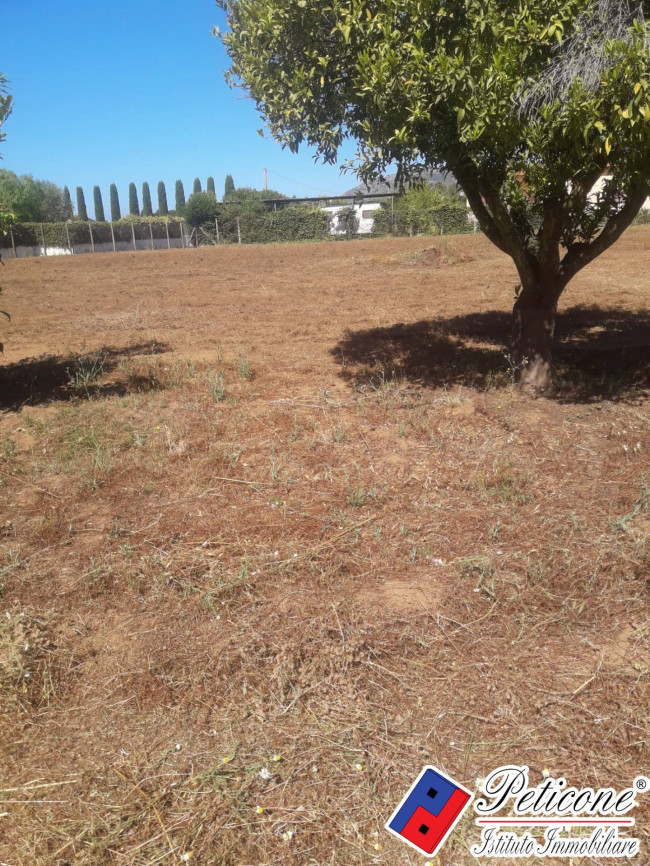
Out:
{"x": 527, "y": 102}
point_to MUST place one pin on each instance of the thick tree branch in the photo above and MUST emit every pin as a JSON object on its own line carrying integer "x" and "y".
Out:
{"x": 515, "y": 246}
{"x": 579, "y": 255}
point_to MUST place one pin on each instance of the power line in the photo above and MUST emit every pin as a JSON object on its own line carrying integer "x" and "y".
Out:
{"x": 306, "y": 185}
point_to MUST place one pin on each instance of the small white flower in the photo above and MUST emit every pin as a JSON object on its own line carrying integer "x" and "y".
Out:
{"x": 358, "y": 767}
{"x": 452, "y": 743}
{"x": 187, "y": 856}
{"x": 276, "y": 553}
{"x": 314, "y": 769}
{"x": 437, "y": 561}
{"x": 295, "y": 555}
{"x": 480, "y": 783}
{"x": 277, "y": 757}
{"x": 259, "y": 810}
{"x": 178, "y": 747}
{"x": 287, "y": 835}
{"x": 546, "y": 772}
{"x": 625, "y": 448}
{"x": 264, "y": 774}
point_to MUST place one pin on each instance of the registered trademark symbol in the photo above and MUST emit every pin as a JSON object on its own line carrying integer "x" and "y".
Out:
{"x": 641, "y": 783}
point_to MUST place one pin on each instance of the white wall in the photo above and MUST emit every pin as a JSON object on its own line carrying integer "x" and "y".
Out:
{"x": 365, "y": 223}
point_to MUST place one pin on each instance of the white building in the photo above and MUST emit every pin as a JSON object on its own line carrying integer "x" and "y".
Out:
{"x": 364, "y": 213}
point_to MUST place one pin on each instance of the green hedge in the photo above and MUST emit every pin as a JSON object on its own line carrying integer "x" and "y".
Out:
{"x": 284, "y": 225}
{"x": 451, "y": 219}
{"x": 29, "y": 234}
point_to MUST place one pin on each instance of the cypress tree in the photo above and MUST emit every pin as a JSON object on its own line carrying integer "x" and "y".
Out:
{"x": 197, "y": 185}
{"x": 82, "y": 213}
{"x": 68, "y": 212}
{"x": 134, "y": 207}
{"x": 99, "y": 205}
{"x": 116, "y": 213}
{"x": 147, "y": 209}
{"x": 211, "y": 187}
{"x": 163, "y": 209}
{"x": 230, "y": 185}
{"x": 180, "y": 198}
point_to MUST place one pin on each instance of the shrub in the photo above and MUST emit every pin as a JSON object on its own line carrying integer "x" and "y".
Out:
{"x": 201, "y": 208}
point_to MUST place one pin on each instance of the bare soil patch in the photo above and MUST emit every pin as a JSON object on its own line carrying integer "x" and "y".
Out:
{"x": 276, "y": 530}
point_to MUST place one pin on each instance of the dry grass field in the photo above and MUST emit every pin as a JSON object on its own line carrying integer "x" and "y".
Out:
{"x": 276, "y": 530}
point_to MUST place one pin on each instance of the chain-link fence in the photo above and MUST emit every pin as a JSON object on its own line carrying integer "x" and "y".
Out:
{"x": 287, "y": 224}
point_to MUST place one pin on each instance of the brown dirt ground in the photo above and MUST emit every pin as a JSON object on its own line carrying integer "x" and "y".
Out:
{"x": 284, "y": 501}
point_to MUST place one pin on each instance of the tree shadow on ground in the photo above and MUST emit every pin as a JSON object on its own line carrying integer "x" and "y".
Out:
{"x": 599, "y": 353}
{"x": 52, "y": 378}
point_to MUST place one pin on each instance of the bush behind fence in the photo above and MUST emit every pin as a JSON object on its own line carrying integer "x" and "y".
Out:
{"x": 285, "y": 225}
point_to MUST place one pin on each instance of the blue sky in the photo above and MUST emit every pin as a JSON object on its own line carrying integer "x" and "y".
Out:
{"x": 133, "y": 90}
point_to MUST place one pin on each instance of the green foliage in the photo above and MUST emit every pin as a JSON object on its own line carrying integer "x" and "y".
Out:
{"x": 31, "y": 199}
{"x": 99, "y": 205}
{"x": 447, "y": 85}
{"x": 116, "y": 212}
{"x": 229, "y": 186}
{"x": 643, "y": 218}
{"x": 285, "y": 225}
{"x": 197, "y": 185}
{"x": 424, "y": 209}
{"x": 210, "y": 187}
{"x": 82, "y": 213}
{"x": 5, "y": 104}
{"x": 147, "y": 208}
{"x": 134, "y": 207}
{"x": 201, "y": 208}
{"x": 163, "y": 209}
{"x": 180, "y": 197}
{"x": 68, "y": 210}
{"x": 250, "y": 194}
{"x": 347, "y": 221}
{"x": 56, "y": 234}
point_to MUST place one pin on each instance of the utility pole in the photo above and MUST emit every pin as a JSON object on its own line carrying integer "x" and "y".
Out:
{"x": 266, "y": 182}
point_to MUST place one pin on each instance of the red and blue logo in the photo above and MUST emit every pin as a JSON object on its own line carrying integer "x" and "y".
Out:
{"x": 429, "y": 812}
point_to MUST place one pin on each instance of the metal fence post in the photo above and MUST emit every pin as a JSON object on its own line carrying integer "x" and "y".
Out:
{"x": 182, "y": 235}
{"x": 67, "y": 232}
{"x": 113, "y": 237}
{"x": 13, "y": 242}
{"x": 238, "y": 231}
{"x": 92, "y": 239}
{"x": 216, "y": 223}
{"x": 169, "y": 246}
{"x": 135, "y": 247}
{"x": 151, "y": 233}
{"x": 43, "y": 239}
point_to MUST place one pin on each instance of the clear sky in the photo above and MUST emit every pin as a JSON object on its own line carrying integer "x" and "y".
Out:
{"x": 133, "y": 90}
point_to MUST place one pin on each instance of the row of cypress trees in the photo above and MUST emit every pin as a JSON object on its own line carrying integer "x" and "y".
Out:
{"x": 134, "y": 205}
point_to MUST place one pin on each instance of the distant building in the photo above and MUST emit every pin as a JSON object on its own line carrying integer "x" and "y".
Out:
{"x": 364, "y": 213}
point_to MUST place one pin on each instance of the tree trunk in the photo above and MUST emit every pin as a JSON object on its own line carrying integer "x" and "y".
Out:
{"x": 532, "y": 342}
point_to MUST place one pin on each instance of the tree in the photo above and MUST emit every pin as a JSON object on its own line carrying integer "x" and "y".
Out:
{"x": 32, "y": 200}
{"x": 229, "y": 186}
{"x": 197, "y": 185}
{"x": 116, "y": 212}
{"x": 201, "y": 208}
{"x": 134, "y": 207}
{"x": 147, "y": 208}
{"x": 210, "y": 187}
{"x": 180, "y": 198}
{"x": 82, "y": 213}
{"x": 99, "y": 205}
{"x": 68, "y": 211}
{"x": 526, "y": 103}
{"x": 163, "y": 208}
